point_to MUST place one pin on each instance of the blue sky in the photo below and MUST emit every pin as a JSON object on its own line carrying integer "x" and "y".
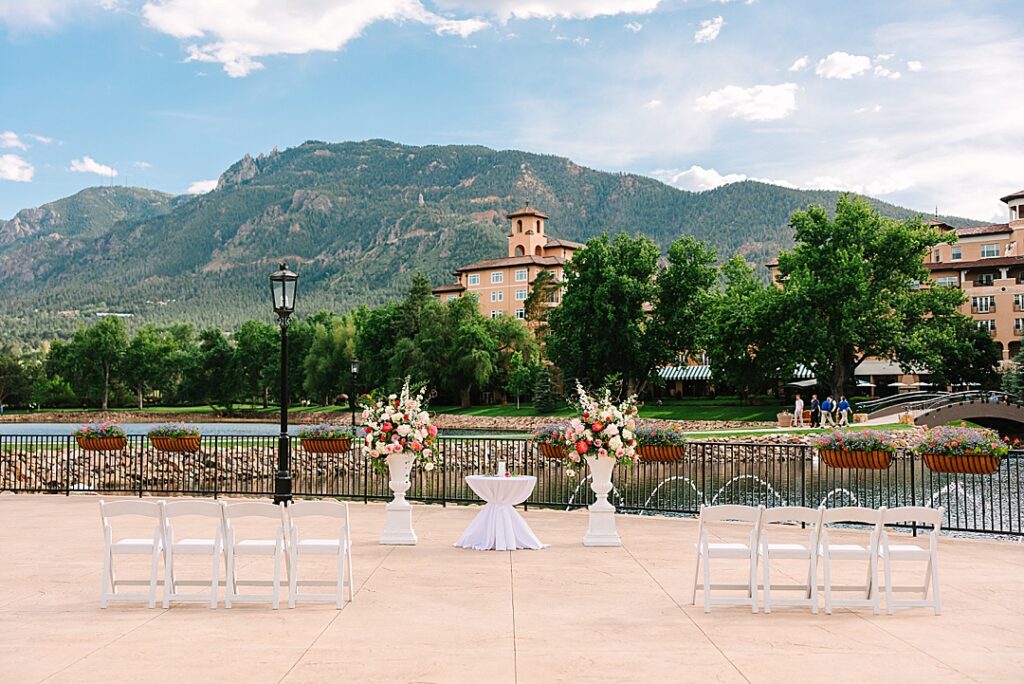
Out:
{"x": 918, "y": 103}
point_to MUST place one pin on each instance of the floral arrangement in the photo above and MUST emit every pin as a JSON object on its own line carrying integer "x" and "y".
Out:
{"x": 173, "y": 430}
{"x": 659, "y": 433}
{"x": 960, "y": 441}
{"x": 325, "y": 431}
{"x": 857, "y": 440}
{"x": 399, "y": 425}
{"x": 604, "y": 429}
{"x": 552, "y": 433}
{"x": 99, "y": 430}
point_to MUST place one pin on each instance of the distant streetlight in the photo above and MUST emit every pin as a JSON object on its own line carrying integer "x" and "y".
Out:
{"x": 283, "y": 284}
{"x": 354, "y": 367}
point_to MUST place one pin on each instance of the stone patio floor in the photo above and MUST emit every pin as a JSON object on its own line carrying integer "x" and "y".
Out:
{"x": 433, "y": 613}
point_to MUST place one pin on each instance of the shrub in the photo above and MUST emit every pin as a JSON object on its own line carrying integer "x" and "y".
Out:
{"x": 857, "y": 440}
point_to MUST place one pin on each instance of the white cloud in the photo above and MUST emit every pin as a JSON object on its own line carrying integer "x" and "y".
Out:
{"x": 635, "y": 26}
{"x": 42, "y": 139}
{"x": 581, "y": 41}
{"x": 652, "y": 104}
{"x": 882, "y": 72}
{"x": 11, "y": 139}
{"x": 32, "y": 14}
{"x": 504, "y": 10}
{"x": 800, "y": 64}
{"x": 861, "y": 110}
{"x": 233, "y": 34}
{"x": 757, "y": 103}
{"x": 878, "y": 185}
{"x": 90, "y": 165}
{"x": 914, "y": 65}
{"x": 201, "y": 187}
{"x": 697, "y": 178}
{"x": 842, "y": 65}
{"x": 142, "y": 165}
{"x": 709, "y": 30}
{"x": 14, "y": 168}
{"x": 884, "y": 56}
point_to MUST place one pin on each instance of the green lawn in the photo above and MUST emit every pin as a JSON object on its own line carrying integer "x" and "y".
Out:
{"x": 789, "y": 431}
{"x": 698, "y": 409}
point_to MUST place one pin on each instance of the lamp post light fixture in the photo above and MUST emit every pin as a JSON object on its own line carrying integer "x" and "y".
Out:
{"x": 354, "y": 367}
{"x": 283, "y": 284}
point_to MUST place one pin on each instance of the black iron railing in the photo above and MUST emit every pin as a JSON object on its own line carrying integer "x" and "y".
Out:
{"x": 712, "y": 473}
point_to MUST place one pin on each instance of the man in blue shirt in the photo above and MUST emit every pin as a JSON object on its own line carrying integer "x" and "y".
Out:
{"x": 826, "y": 412}
{"x": 844, "y": 410}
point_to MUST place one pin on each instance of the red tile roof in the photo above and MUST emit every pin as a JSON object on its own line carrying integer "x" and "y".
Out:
{"x": 512, "y": 261}
{"x": 995, "y": 262}
{"x": 450, "y": 287}
{"x": 1012, "y": 196}
{"x": 526, "y": 210}
{"x": 563, "y": 243}
{"x": 990, "y": 229}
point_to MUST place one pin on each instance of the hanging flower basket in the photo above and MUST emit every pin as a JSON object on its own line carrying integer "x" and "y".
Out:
{"x": 972, "y": 465}
{"x": 551, "y": 450}
{"x": 857, "y": 449}
{"x": 326, "y": 446}
{"x": 101, "y": 443}
{"x": 972, "y": 451}
{"x": 101, "y": 437}
{"x": 188, "y": 444}
{"x": 660, "y": 440}
{"x": 663, "y": 453}
{"x": 848, "y": 458}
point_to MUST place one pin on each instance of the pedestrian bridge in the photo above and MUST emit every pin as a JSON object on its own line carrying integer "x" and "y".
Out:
{"x": 998, "y": 411}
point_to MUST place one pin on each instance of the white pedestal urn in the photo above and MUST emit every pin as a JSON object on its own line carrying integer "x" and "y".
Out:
{"x": 601, "y": 530}
{"x": 398, "y": 526}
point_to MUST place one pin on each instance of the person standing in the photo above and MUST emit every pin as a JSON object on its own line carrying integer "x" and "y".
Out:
{"x": 815, "y": 411}
{"x": 844, "y": 410}
{"x": 826, "y": 412}
{"x": 798, "y": 412}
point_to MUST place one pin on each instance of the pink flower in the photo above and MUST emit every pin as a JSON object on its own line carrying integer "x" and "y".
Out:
{"x": 602, "y": 452}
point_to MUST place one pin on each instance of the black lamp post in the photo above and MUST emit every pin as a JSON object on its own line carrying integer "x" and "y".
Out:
{"x": 352, "y": 395}
{"x": 283, "y": 284}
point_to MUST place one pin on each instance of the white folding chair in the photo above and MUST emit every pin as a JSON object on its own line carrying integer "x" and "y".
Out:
{"x": 151, "y": 546}
{"x": 253, "y": 547}
{"x": 890, "y": 553}
{"x": 213, "y": 547}
{"x": 808, "y": 551}
{"x": 856, "y": 552}
{"x": 706, "y": 550}
{"x": 339, "y": 547}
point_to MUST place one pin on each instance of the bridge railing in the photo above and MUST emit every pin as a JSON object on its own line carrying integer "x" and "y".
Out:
{"x": 707, "y": 473}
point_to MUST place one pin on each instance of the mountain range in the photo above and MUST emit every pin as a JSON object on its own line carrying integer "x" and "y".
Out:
{"x": 356, "y": 220}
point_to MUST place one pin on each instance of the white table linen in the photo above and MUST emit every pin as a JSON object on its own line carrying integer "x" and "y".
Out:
{"x": 498, "y": 525}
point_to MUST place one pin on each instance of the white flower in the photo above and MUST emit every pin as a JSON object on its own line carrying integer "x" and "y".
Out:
{"x": 615, "y": 443}
{"x": 424, "y": 417}
{"x": 427, "y": 453}
{"x": 404, "y": 429}
{"x": 627, "y": 435}
{"x": 428, "y": 466}
{"x": 576, "y": 424}
{"x": 612, "y": 430}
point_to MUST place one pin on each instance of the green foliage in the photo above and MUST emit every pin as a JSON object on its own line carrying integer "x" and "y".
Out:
{"x": 602, "y": 326}
{"x": 544, "y": 398}
{"x": 327, "y": 364}
{"x": 1013, "y": 376}
{"x": 683, "y": 296}
{"x": 258, "y": 357}
{"x": 520, "y": 377}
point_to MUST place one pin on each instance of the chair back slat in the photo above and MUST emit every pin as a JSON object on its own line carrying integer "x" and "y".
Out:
{"x": 252, "y": 510}
{"x": 799, "y": 514}
{"x": 326, "y": 509}
{"x": 730, "y": 512}
{"x": 913, "y": 514}
{"x": 851, "y": 514}
{"x": 206, "y": 509}
{"x": 147, "y": 509}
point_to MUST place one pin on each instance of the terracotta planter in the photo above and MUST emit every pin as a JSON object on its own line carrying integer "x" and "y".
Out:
{"x": 326, "y": 446}
{"x": 551, "y": 450}
{"x": 189, "y": 444}
{"x": 102, "y": 443}
{"x": 873, "y": 460}
{"x": 785, "y": 420}
{"x": 658, "y": 452}
{"x": 972, "y": 465}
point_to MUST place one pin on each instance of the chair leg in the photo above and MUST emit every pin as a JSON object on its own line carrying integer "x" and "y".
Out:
{"x": 934, "y": 575}
{"x": 873, "y": 583}
{"x": 707, "y": 584}
{"x": 351, "y": 582}
{"x": 887, "y": 564}
{"x": 153, "y": 569}
{"x": 293, "y": 577}
{"x": 168, "y": 576}
{"x": 696, "y": 574}
{"x": 214, "y": 576}
{"x": 275, "y": 602}
{"x": 752, "y": 592}
{"x": 767, "y": 591}
{"x": 812, "y": 583}
{"x": 339, "y": 584}
{"x": 107, "y": 580}
{"x": 827, "y": 570}
{"x": 229, "y": 576}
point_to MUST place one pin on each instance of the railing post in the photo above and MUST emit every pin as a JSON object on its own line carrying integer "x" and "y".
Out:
{"x": 913, "y": 490}
{"x": 67, "y": 470}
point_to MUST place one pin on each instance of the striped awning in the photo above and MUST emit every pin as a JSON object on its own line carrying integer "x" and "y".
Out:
{"x": 703, "y": 372}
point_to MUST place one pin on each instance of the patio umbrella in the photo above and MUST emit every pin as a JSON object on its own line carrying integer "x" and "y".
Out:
{"x": 861, "y": 383}
{"x": 898, "y": 384}
{"x": 921, "y": 384}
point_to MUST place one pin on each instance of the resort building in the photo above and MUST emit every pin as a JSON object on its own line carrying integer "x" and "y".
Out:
{"x": 987, "y": 263}
{"x": 501, "y": 286}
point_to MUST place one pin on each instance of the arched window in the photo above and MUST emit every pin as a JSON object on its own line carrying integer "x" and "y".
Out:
{"x": 539, "y": 229}
{"x": 519, "y": 225}
{"x": 538, "y": 251}
{"x": 519, "y": 250}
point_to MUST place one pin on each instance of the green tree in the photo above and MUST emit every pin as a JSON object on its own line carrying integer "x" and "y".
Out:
{"x": 1013, "y": 376}
{"x": 956, "y": 351}
{"x": 851, "y": 289}
{"x": 544, "y": 398}
{"x": 543, "y": 292}
{"x": 258, "y": 353}
{"x": 101, "y": 348}
{"x": 743, "y": 338}
{"x": 684, "y": 294}
{"x": 521, "y": 376}
{"x": 146, "y": 359}
{"x": 327, "y": 364}
{"x": 602, "y": 326}
{"x": 218, "y": 378}
{"x": 14, "y": 384}
{"x": 458, "y": 350}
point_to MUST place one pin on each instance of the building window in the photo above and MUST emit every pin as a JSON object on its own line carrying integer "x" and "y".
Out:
{"x": 522, "y": 275}
{"x": 937, "y": 257}
{"x": 988, "y": 324}
{"x": 497, "y": 277}
{"x": 553, "y": 297}
{"x": 983, "y": 304}
{"x": 989, "y": 251}
{"x": 985, "y": 279}
{"x": 498, "y": 296}
{"x": 521, "y": 314}
{"x": 948, "y": 281}
{"x": 1018, "y": 325}
{"x": 1018, "y": 302}
{"x": 451, "y": 297}
{"x": 495, "y": 313}
{"x": 958, "y": 253}
{"x": 519, "y": 250}
{"x": 474, "y": 279}
{"x": 521, "y": 295}
{"x": 519, "y": 225}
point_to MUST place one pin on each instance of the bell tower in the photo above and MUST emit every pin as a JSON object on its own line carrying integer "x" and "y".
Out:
{"x": 526, "y": 232}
